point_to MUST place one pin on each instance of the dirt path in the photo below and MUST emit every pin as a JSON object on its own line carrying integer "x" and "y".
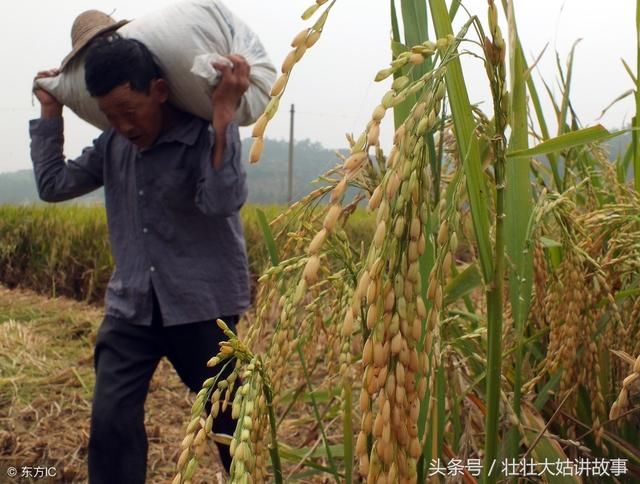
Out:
{"x": 46, "y": 381}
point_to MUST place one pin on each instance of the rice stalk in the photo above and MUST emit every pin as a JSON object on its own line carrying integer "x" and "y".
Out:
{"x": 303, "y": 41}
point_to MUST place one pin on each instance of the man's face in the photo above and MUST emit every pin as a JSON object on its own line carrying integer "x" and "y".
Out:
{"x": 136, "y": 115}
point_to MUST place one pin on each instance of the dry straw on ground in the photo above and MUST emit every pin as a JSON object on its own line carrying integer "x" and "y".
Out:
{"x": 46, "y": 379}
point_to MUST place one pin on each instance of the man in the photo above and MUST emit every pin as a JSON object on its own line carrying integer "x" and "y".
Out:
{"x": 174, "y": 185}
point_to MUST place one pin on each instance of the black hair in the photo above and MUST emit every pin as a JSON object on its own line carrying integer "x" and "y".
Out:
{"x": 112, "y": 61}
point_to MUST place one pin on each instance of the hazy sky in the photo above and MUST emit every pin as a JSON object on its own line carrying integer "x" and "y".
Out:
{"x": 332, "y": 87}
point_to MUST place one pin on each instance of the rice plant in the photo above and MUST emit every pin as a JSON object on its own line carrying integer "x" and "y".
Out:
{"x": 63, "y": 250}
{"x": 489, "y": 317}
{"x": 492, "y": 314}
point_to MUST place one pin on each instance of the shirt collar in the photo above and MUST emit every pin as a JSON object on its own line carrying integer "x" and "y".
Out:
{"x": 185, "y": 131}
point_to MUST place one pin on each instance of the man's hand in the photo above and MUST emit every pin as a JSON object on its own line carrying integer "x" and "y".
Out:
{"x": 50, "y": 107}
{"x": 233, "y": 83}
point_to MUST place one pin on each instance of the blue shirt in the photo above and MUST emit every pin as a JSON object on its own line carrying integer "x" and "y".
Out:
{"x": 173, "y": 219}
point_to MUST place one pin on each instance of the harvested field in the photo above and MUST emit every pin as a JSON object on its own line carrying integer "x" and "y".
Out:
{"x": 46, "y": 380}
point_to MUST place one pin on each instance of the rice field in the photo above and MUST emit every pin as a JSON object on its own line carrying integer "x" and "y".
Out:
{"x": 481, "y": 323}
{"x": 63, "y": 250}
{"x": 488, "y": 329}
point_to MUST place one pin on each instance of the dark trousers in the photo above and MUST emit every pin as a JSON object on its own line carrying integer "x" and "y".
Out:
{"x": 125, "y": 358}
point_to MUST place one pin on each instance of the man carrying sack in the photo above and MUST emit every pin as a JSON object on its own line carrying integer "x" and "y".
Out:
{"x": 174, "y": 184}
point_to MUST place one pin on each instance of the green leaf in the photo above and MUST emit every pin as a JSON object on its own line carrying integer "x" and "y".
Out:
{"x": 625, "y": 162}
{"x": 397, "y": 48}
{"x": 564, "y": 106}
{"x": 395, "y": 28}
{"x": 519, "y": 205}
{"x": 593, "y": 134}
{"x": 296, "y": 453}
{"x": 414, "y": 16}
{"x": 545, "y": 448}
{"x": 555, "y": 256}
{"x": 268, "y": 237}
{"x": 453, "y": 10}
{"x": 463, "y": 284}
{"x": 629, "y": 71}
{"x": 547, "y": 391}
{"x": 634, "y": 291}
{"x": 622, "y": 96}
{"x": 547, "y": 242}
{"x": 537, "y": 105}
{"x": 467, "y": 142}
{"x": 556, "y": 108}
{"x": 316, "y": 412}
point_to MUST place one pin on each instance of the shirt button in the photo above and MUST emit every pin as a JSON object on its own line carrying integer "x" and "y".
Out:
{"x": 141, "y": 192}
{"x": 145, "y": 230}
{"x": 152, "y": 269}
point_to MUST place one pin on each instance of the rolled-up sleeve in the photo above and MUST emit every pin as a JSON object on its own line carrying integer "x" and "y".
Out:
{"x": 223, "y": 191}
{"x": 59, "y": 180}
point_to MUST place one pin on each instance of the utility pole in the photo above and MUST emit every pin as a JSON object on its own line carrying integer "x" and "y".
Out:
{"x": 290, "y": 192}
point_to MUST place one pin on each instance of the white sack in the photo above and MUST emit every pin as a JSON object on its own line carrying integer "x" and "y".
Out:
{"x": 184, "y": 38}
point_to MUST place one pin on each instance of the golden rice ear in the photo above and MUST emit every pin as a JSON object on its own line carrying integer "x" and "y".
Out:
{"x": 416, "y": 59}
{"x": 279, "y": 85}
{"x": 300, "y": 38}
{"x": 288, "y": 62}
{"x": 313, "y": 37}
{"x": 316, "y": 243}
{"x": 259, "y": 126}
{"x": 310, "y": 272}
{"x": 332, "y": 217}
{"x": 256, "y": 150}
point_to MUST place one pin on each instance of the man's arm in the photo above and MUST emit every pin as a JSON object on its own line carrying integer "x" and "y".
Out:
{"x": 234, "y": 81}
{"x": 223, "y": 189}
{"x": 56, "y": 180}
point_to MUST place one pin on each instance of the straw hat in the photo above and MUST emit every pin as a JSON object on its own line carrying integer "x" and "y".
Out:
{"x": 86, "y": 27}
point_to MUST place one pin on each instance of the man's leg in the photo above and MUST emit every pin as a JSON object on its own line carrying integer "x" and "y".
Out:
{"x": 189, "y": 347}
{"x": 125, "y": 359}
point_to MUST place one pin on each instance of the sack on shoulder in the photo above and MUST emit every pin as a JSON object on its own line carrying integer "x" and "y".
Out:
{"x": 184, "y": 39}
